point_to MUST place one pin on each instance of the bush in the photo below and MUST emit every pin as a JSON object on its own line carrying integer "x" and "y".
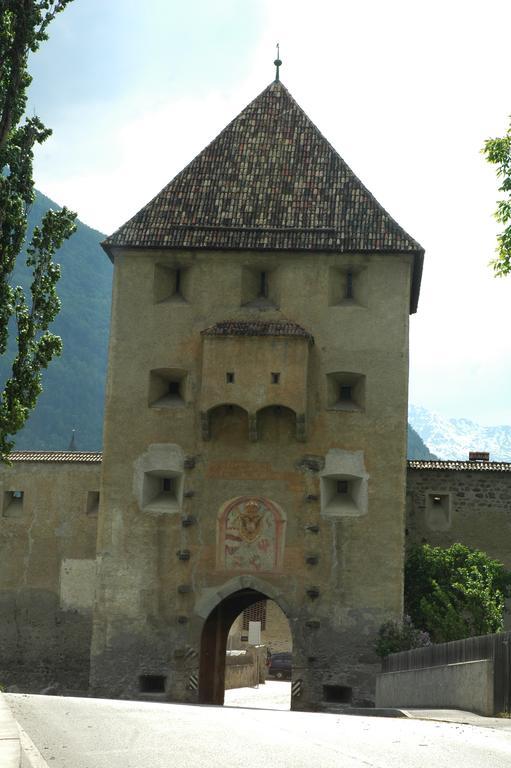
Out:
{"x": 455, "y": 592}
{"x": 400, "y": 635}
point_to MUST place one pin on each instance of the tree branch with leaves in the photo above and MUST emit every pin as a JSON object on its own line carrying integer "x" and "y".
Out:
{"x": 498, "y": 152}
{"x": 23, "y": 27}
{"x": 455, "y": 592}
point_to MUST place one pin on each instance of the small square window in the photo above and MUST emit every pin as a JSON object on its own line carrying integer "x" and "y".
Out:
{"x": 348, "y": 285}
{"x": 171, "y": 283}
{"x": 167, "y": 388}
{"x": 346, "y": 392}
{"x": 229, "y": 377}
{"x": 438, "y": 511}
{"x": 161, "y": 492}
{"x": 344, "y": 495}
{"x": 275, "y": 378}
{"x": 259, "y": 287}
{"x": 12, "y": 503}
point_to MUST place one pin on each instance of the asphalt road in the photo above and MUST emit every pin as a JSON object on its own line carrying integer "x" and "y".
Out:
{"x": 98, "y": 733}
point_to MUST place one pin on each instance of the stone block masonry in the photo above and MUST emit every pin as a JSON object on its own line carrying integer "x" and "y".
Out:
{"x": 466, "y": 502}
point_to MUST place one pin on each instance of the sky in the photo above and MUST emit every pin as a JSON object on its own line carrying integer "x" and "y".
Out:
{"x": 405, "y": 90}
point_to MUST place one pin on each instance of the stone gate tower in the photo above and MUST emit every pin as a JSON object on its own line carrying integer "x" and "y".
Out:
{"x": 256, "y": 414}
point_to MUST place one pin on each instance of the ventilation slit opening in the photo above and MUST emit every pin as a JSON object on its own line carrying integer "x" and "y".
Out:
{"x": 263, "y": 285}
{"x": 349, "y": 285}
{"x": 152, "y": 683}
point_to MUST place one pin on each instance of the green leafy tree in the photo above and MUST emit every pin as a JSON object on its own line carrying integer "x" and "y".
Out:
{"x": 455, "y": 592}
{"x": 498, "y": 152}
{"x": 23, "y": 27}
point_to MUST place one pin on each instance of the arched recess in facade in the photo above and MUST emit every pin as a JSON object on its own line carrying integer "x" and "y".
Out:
{"x": 235, "y": 422}
{"x": 225, "y": 420}
{"x": 277, "y": 423}
{"x": 219, "y": 611}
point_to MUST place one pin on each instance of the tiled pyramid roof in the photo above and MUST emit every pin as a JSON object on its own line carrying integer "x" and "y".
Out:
{"x": 257, "y": 328}
{"x": 268, "y": 181}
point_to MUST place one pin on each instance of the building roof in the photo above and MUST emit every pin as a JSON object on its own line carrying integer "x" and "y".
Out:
{"x": 77, "y": 457}
{"x": 96, "y": 457}
{"x": 269, "y": 181}
{"x": 257, "y": 328}
{"x": 474, "y": 466}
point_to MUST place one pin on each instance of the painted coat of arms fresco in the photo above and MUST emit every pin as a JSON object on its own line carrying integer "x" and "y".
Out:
{"x": 250, "y": 535}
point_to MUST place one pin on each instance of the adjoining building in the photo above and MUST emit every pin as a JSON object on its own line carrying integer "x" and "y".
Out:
{"x": 255, "y": 428}
{"x": 461, "y": 501}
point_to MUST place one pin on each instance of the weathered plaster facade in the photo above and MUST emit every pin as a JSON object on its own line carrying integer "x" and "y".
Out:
{"x": 140, "y": 605}
{"x": 47, "y": 568}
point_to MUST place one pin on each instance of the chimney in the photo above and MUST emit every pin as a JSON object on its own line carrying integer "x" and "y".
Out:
{"x": 479, "y": 456}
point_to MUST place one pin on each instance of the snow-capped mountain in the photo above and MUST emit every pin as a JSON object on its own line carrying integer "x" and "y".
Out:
{"x": 454, "y": 438}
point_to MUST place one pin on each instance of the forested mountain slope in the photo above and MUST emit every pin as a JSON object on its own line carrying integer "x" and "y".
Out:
{"x": 74, "y": 383}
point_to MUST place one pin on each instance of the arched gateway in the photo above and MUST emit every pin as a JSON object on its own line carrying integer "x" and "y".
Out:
{"x": 234, "y": 598}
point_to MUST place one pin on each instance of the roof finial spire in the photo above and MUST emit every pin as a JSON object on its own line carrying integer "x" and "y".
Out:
{"x": 277, "y": 63}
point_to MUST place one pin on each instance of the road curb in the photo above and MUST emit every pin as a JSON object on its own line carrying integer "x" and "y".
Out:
{"x": 10, "y": 746}
{"x": 17, "y": 750}
{"x": 30, "y": 755}
{"x": 371, "y": 711}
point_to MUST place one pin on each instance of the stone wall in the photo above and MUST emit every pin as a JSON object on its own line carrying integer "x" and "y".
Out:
{"x": 467, "y": 686}
{"x": 467, "y": 505}
{"x": 47, "y": 569}
{"x": 48, "y": 523}
{"x": 461, "y": 503}
{"x": 245, "y": 668}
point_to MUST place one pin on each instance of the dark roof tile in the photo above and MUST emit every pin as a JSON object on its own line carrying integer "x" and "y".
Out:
{"x": 76, "y": 457}
{"x": 258, "y": 328}
{"x": 476, "y": 466}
